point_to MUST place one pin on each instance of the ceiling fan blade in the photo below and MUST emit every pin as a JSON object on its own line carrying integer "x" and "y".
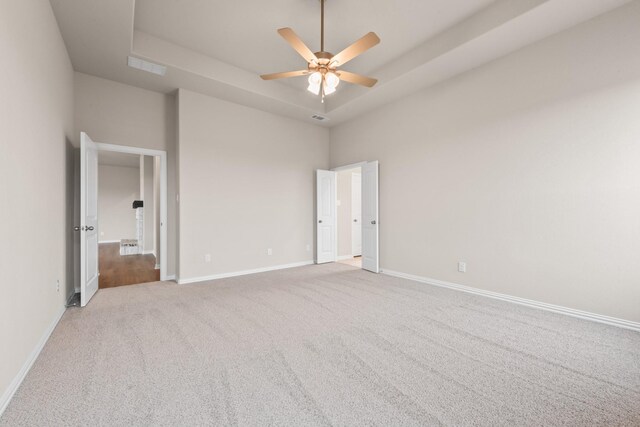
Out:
{"x": 295, "y": 42}
{"x": 284, "y": 75}
{"x": 356, "y": 78}
{"x": 360, "y": 46}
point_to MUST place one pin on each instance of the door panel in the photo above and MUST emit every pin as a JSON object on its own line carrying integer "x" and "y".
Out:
{"x": 356, "y": 213}
{"x": 370, "y": 252}
{"x": 89, "y": 218}
{"x": 326, "y": 216}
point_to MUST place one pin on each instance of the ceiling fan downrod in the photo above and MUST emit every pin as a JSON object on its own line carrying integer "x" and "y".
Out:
{"x": 322, "y": 25}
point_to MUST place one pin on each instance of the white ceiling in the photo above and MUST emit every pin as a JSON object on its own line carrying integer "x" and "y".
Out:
{"x": 220, "y": 47}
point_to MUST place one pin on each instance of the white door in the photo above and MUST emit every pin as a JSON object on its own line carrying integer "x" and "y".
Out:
{"x": 89, "y": 218}
{"x": 370, "y": 253}
{"x": 327, "y": 214}
{"x": 356, "y": 214}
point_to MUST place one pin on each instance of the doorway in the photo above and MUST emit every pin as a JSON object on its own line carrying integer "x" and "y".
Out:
{"x": 346, "y": 220}
{"x": 93, "y": 230}
{"x": 128, "y": 219}
{"x": 349, "y": 224}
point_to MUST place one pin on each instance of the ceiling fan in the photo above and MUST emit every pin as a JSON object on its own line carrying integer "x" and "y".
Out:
{"x": 322, "y": 67}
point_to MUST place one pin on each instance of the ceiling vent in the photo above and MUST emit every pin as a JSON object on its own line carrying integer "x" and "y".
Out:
{"x": 143, "y": 65}
{"x": 319, "y": 118}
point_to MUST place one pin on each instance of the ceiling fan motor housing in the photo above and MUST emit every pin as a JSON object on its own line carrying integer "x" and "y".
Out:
{"x": 324, "y": 62}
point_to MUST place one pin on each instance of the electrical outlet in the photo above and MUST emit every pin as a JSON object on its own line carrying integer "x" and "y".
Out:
{"x": 57, "y": 285}
{"x": 207, "y": 258}
{"x": 269, "y": 251}
{"x": 462, "y": 267}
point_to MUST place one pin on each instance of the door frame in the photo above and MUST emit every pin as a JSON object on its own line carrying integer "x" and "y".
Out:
{"x": 163, "y": 193}
{"x": 347, "y": 167}
{"x": 350, "y": 166}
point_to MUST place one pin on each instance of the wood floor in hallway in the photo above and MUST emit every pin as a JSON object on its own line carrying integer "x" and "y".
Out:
{"x": 119, "y": 270}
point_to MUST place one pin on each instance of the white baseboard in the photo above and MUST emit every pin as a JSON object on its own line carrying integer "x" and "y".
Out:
{"x": 244, "y": 272}
{"x": 108, "y": 241}
{"x": 13, "y": 387}
{"x": 614, "y": 321}
{"x": 151, "y": 252}
{"x": 172, "y": 277}
{"x": 341, "y": 257}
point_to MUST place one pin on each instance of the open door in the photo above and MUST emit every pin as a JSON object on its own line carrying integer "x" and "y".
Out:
{"x": 370, "y": 253}
{"x": 89, "y": 219}
{"x": 356, "y": 214}
{"x": 326, "y": 216}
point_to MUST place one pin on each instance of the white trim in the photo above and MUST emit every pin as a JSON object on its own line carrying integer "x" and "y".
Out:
{"x": 169, "y": 278}
{"x": 163, "y": 193}
{"x": 131, "y": 150}
{"x": 151, "y": 252}
{"x": 17, "y": 380}
{"x": 614, "y": 321}
{"x": 108, "y": 241}
{"x": 157, "y": 267}
{"x": 244, "y": 272}
{"x": 341, "y": 257}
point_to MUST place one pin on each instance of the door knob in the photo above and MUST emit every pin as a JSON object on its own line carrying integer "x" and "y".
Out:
{"x": 355, "y": 220}
{"x": 373, "y": 222}
{"x": 320, "y": 221}
{"x": 89, "y": 228}
{"x": 76, "y": 228}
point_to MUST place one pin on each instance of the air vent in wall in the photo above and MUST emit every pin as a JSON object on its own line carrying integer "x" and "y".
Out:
{"x": 319, "y": 117}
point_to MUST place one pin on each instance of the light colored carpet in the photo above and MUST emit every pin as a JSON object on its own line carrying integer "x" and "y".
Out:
{"x": 325, "y": 345}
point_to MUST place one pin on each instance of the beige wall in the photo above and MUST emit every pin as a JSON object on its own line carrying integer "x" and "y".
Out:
{"x": 118, "y": 187}
{"x": 246, "y": 184}
{"x": 36, "y": 180}
{"x": 344, "y": 212}
{"x": 115, "y": 113}
{"x": 527, "y": 169}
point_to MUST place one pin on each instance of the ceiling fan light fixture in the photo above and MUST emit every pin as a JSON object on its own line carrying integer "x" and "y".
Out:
{"x": 315, "y": 79}
{"x": 314, "y": 89}
{"x": 331, "y": 80}
{"x": 328, "y": 90}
